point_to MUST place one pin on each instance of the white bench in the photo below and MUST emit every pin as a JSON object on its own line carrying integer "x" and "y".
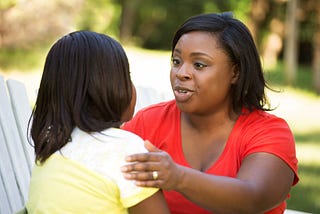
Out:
{"x": 17, "y": 155}
{"x": 15, "y": 152}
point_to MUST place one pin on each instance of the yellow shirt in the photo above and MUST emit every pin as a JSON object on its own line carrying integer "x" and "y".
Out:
{"x": 85, "y": 176}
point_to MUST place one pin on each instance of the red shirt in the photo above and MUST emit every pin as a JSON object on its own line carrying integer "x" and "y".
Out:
{"x": 257, "y": 131}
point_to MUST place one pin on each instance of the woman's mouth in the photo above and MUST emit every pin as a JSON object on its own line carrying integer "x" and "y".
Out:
{"x": 182, "y": 94}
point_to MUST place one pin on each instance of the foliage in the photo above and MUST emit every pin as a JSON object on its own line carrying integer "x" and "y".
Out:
{"x": 303, "y": 82}
{"x": 36, "y": 21}
{"x": 156, "y": 22}
{"x": 100, "y": 16}
{"x": 4, "y": 4}
{"x": 240, "y": 9}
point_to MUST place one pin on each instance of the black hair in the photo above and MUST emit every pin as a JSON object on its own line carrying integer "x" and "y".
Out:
{"x": 85, "y": 83}
{"x": 236, "y": 41}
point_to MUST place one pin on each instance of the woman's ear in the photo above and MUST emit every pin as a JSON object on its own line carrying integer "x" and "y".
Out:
{"x": 236, "y": 74}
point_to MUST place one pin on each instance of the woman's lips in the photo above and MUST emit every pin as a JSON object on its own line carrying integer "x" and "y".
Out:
{"x": 182, "y": 94}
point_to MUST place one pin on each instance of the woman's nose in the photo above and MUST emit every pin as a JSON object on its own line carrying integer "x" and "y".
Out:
{"x": 183, "y": 72}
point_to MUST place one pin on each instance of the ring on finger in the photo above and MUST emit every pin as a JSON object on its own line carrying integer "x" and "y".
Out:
{"x": 155, "y": 175}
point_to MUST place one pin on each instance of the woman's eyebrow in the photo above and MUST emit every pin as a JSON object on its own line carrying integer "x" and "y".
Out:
{"x": 197, "y": 54}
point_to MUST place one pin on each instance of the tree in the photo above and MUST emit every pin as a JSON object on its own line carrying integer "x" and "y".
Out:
{"x": 316, "y": 50}
{"x": 291, "y": 47}
{"x": 258, "y": 12}
{"x": 5, "y": 6}
{"x": 99, "y": 15}
{"x": 36, "y": 21}
{"x": 127, "y": 20}
{"x": 151, "y": 24}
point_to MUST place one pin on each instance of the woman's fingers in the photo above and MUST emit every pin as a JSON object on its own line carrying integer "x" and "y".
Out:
{"x": 145, "y": 179}
{"x": 153, "y": 154}
{"x": 141, "y": 157}
{"x": 140, "y": 167}
{"x": 152, "y": 169}
{"x": 143, "y": 176}
{"x": 150, "y": 147}
{"x": 149, "y": 183}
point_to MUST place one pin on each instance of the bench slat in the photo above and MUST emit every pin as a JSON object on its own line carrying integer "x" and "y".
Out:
{"x": 10, "y": 196}
{"x": 22, "y": 112}
{"x": 11, "y": 140}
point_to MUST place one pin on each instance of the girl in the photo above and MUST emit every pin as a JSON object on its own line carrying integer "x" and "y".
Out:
{"x": 84, "y": 95}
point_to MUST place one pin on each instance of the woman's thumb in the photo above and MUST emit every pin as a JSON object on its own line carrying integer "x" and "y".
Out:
{"x": 150, "y": 147}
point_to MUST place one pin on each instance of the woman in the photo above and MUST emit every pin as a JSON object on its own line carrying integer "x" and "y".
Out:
{"x": 219, "y": 150}
{"x": 85, "y": 94}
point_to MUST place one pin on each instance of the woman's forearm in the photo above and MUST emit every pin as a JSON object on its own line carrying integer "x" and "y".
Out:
{"x": 219, "y": 194}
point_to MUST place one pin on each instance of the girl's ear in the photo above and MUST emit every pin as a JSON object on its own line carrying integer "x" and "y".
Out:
{"x": 236, "y": 74}
{"x": 128, "y": 114}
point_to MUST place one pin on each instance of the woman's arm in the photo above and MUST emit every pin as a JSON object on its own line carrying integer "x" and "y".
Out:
{"x": 155, "y": 204}
{"x": 264, "y": 181}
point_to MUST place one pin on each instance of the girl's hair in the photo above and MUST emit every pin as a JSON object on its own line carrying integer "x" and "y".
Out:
{"x": 236, "y": 41}
{"x": 85, "y": 83}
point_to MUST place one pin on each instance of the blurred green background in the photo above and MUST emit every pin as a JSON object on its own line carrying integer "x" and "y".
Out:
{"x": 287, "y": 33}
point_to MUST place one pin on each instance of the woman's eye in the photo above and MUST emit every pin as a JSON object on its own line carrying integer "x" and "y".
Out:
{"x": 199, "y": 65}
{"x": 175, "y": 62}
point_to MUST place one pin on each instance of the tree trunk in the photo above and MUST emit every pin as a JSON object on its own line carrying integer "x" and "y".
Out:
{"x": 258, "y": 13}
{"x": 129, "y": 8}
{"x": 291, "y": 47}
{"x": 5, "y": 6}
{"x": 316, "y": 51}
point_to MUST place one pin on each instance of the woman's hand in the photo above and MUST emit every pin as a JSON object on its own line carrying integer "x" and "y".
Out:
{"x": 153, "y": 169}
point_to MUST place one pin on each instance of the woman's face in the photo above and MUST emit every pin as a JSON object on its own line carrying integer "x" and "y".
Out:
{"x": 201, "y": 74}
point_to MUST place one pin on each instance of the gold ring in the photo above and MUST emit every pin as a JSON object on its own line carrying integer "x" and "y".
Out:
{"x": 155, "y": 175}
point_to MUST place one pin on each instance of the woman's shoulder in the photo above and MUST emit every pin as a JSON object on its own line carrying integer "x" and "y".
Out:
{"x": 259, "y": 117}
{"x": 262, "y": 125}
{"x": 258, "y": 121}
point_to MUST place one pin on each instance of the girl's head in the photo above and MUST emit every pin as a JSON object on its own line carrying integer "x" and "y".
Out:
{"x": 85, "y": 83}
{"x": 236, "y": 41}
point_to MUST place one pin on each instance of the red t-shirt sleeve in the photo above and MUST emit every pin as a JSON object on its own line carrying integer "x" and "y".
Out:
{"x": 271, "y": 134}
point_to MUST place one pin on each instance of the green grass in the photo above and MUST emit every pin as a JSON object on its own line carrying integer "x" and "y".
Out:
{"x": 22, "y": 59}
{"x": 305, "y": 196}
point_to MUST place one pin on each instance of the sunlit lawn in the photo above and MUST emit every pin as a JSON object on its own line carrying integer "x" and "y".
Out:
{"x": 299, "y": 106}
{"x": 303, "y": 116}
{"x": 306, "y": 195}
